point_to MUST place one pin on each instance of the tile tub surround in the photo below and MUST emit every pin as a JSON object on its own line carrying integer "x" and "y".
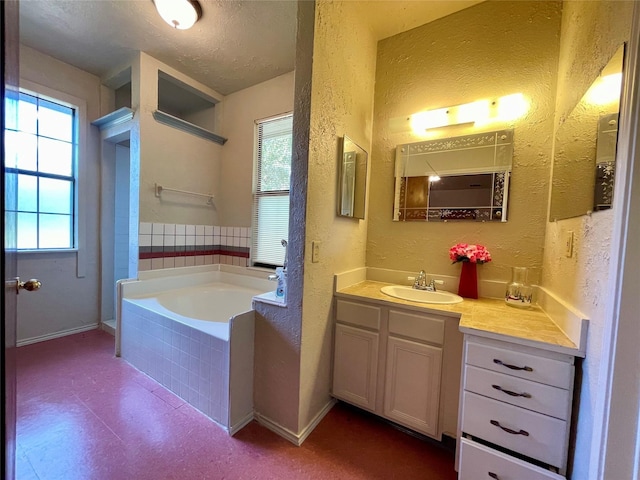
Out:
{"x": 209, "y": 366}
{"x": 191, "y": 364}
{"x": 165, "y": 245}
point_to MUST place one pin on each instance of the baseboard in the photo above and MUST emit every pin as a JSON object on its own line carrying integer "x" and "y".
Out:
{"x": 295, "y": 438}
{"x": 306, "y": 431}
{"x": 241, "y": 424}
{"x": 109, "y": 327}
{"x": 51, "y": 336}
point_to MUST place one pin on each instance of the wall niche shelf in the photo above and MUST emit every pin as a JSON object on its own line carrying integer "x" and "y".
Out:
{"x": 175, "y": 122}
{"x": 186, "y": 108}
{"x": 112, "y": 119}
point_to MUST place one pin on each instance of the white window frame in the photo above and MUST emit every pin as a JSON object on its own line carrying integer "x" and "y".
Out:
{"x": 257, "y": 195}
{"x": 80, "y": 106}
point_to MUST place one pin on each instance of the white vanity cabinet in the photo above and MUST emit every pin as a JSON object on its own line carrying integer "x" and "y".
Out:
{"x": 389, "y": 361}
{"x": 515, "y": 411}
{"x": 356, "y": 354}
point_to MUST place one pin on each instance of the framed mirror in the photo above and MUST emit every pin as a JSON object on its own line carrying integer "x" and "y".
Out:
{"x": 455, "y": 178}
{"x": 585, "y": 149}
{"x": 352, "y": 188}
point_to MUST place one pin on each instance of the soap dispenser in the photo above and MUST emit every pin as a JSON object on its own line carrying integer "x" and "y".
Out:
{"x": 281, "y": 272}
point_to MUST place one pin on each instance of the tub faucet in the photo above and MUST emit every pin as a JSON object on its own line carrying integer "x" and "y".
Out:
{"x": 421, "y": 282}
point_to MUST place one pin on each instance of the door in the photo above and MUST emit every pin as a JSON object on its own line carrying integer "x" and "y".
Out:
{"x": 412, "y": 385}
{"x": 9, "y": 14}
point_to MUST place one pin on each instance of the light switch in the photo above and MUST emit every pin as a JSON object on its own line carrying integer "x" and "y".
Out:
{"x": 315, "y": 252}
{"x": 568, "y": 252}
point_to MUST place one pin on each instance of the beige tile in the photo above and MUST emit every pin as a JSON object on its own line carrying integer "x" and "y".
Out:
{"x": 216, "y": 259}
{"x": 199, "y": 259}
{"x": 189, "y": 261}
{"x": 169, "y": 262}
{"x": 246, "y": 262}
{"x": 157, "y": 263}
{"x": 236, "y": 261}
{"x": 228, "y": 259}
{"x": 144, "y": 264}
{"x": 180, "y": 261}
{"x": 208, "y": 259}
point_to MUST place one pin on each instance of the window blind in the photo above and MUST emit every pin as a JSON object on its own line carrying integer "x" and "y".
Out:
{"x": 271, "y": 192}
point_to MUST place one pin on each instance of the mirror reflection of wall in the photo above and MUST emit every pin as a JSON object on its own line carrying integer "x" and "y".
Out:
{"x": 454, "y": 178}
{"x": 585, "y": 148}
{"x": 353, "y": 180}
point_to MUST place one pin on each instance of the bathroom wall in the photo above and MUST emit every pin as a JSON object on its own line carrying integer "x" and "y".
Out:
{"x": 171, "y": 157}
{"x": 70, "y": 294}
{"x": 591, "y": 33}
{"x": 240, "y": 110}
{"x": 344, "y": 60}
{"x": 488, "y": 50}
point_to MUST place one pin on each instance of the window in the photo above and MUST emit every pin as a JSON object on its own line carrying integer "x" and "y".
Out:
{"x": 271, "y": 195}
{"x": 40, "y": 153}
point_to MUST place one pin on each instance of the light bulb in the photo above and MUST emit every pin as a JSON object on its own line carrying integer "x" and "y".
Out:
{"x": 180, "y": 14}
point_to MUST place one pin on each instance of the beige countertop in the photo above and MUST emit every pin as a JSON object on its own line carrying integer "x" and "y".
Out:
{"x": 486, "y": 317}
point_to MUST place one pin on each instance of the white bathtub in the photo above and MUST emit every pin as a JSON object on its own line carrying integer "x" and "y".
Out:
{"x": 191, "y": 329}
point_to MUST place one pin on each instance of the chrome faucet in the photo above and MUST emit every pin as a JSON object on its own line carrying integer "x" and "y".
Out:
{"x": 421, "y": 282}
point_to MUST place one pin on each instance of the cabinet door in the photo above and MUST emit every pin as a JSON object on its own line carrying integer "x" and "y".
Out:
{"x": 412, "y": 386}
{"x": 355, "y": 366}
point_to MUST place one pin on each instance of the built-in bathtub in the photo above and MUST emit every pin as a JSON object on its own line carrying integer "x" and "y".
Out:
{"x": 191, "y": 329}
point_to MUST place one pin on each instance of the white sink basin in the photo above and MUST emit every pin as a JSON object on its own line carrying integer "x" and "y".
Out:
{"x": 422, "y": 296}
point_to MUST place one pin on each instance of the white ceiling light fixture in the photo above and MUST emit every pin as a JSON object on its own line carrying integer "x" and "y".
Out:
{"x": 180, "y": 14}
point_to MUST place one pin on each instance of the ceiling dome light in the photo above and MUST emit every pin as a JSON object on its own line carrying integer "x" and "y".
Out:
{"x": 180, "y": 14}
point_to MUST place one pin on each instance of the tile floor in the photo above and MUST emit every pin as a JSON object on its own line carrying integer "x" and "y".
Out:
{"x": 84, "y": 414}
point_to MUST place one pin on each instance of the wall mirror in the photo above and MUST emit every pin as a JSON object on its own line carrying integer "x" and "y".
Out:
{"x": 455, "y": 178}
{"x": 585, "y": 150}
{"x": 352, "y": 179}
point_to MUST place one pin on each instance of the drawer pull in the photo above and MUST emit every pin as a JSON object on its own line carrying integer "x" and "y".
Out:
{"x": 512, "y": 367}
{"x": 494, "y": 475}
{"x": 509, "y": 392}
{"x": 508, "y": 430}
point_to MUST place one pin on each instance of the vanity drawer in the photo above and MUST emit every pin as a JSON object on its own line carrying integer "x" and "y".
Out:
{"x": 416, "y": 326}
{"x": 519, "y": 364}
{"x": 478, "y": 462}
{"x": 532, "y": 434}
{"x": 367, "y": 316}
{"x": 534, "y": 396}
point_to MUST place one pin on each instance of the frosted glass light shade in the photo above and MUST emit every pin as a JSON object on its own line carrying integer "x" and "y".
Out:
{"x": 180, "y": 14}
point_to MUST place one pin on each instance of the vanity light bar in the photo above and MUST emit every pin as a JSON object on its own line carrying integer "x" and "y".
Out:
{"x": 481, "y": 112}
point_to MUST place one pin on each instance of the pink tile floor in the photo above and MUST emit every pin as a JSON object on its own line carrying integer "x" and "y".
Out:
{"x": 84, "y": 414}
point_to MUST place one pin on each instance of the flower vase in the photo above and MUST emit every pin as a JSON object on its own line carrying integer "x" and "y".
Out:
{"x": 468, "y": 287}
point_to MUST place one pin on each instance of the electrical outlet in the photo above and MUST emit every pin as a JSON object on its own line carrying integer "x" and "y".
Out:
{"x": 315, "y": 252}
{"x": 568, "y": 244}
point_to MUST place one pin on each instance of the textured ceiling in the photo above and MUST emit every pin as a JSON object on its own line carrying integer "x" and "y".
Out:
{"x": 236, "y": 43}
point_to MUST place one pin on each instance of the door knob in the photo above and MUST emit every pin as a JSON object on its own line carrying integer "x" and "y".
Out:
{"x": 30, "y": 285}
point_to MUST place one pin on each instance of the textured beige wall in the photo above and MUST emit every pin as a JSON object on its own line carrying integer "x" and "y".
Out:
{"x": 278, "y": 337}
{"x": 488, "y": 50}
{"x": 171, "y": 157}
{"x": 239, "y": 112}
{"x": 344, "y": 57}
{"x": 66, "y": 301}
{"x": 591, "y": 34}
